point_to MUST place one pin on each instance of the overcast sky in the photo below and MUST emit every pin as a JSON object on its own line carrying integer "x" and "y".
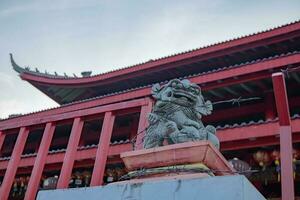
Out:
{"x": 73, "y": 36}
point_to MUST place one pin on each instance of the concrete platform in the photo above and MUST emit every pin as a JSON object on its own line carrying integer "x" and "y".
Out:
{"x": 234, "y": 187}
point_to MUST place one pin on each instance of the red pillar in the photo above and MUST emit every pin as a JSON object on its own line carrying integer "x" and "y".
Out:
{"x": 102, "y": 151}
{"x": 143, "y": 123}
{"x": 67, "y": 167}
{"x": 13, "y": 163}
{"x": 286, "y": 147}
{"x": 39, "y": 162}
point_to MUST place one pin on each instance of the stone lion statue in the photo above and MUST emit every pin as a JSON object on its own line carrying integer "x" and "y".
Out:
{"x": 176, "y": 115}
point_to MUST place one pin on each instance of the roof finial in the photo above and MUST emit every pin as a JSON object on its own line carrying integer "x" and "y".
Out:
{"x": 16, "y": 67}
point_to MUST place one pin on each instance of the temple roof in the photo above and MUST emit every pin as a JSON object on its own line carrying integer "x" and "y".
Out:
{"x": 255, "y": 47}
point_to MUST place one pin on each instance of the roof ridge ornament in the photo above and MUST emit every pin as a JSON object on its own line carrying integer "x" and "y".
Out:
{"x": 86, "y": 74}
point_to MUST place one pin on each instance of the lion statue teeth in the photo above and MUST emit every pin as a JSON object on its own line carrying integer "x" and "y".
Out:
{"x": 176, "y": 115}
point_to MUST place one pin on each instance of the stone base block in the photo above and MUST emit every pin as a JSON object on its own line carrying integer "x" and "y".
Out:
{"x": 234, "y": 187}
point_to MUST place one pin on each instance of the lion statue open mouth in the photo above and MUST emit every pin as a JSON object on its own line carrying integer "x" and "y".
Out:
{"x": 176, "y": 116}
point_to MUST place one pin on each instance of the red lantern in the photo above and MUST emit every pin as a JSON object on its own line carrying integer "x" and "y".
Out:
{"x": 262, "y": 158}
{"x": 275, "y": 155}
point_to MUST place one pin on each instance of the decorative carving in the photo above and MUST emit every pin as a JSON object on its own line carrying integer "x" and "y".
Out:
{"x": 176, "y": 116}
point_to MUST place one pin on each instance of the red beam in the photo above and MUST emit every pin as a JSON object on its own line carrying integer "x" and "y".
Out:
{"x": 13, "y": 164}
{"x": 39, "y": 163}
{"x": 74, "y": 114}
{"x": 66, "y": 171}
{"x": 227, "y": 137}
{"x": 117, "y": 149}
{"x": 143, "y": 124}
{"x": 258, "y": 142}
{"x": 34, "y": 145}
{"x": 247, "y": 144}
{"x": 286, "y": 147}
{"x": 103, "y": 148}
{"x": 57, "y": 166}
{"x": 8, "y": 123}
{"x": 80, "y": 155}
{"x": 113, "y": 151}
{"x": 254, "y": 131}
{"x": 127, "y": 111}
{"x": 246, "y": 132}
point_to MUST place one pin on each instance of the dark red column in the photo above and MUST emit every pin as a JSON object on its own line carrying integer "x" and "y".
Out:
{"x": 67, "y": 167}
{"x": 103, "y": 148}
{"x": 13, "y": 163}
{"x": 39, "y": 162}
{"x": 143, "y": 123}
{"x": 285, "y": 131}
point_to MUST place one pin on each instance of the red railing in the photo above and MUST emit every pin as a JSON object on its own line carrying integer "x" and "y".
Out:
{"x": 72, "y": 153}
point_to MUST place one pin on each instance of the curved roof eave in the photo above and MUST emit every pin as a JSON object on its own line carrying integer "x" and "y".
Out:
{"x": 146, "y": 90}
{"x": 45, "y": 78}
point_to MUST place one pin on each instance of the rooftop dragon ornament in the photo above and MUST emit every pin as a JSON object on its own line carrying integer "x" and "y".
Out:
{"x": 176, "y": 115}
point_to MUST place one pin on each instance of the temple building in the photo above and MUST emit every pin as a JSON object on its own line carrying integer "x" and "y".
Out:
{"x": 252, "y": 81}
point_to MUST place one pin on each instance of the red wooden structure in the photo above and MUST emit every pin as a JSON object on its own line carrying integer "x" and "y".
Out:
{"x": 254, "y": 82}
